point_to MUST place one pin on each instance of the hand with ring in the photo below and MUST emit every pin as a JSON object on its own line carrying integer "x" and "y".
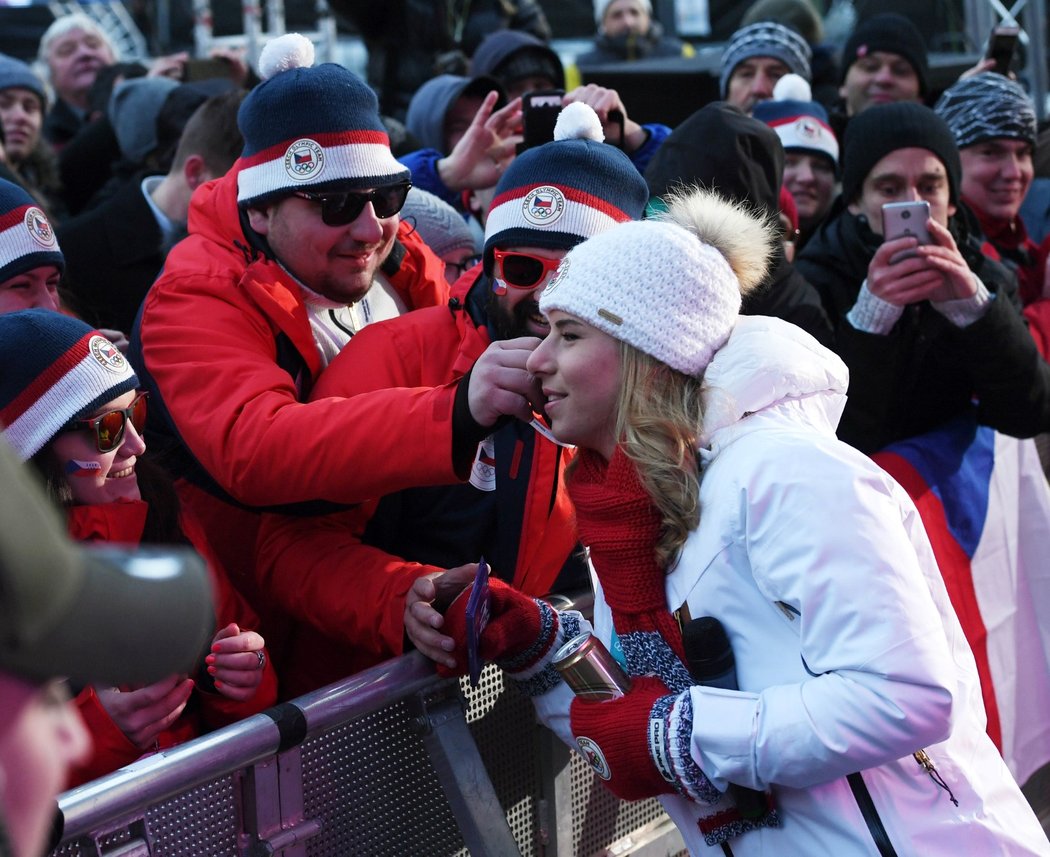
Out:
{"x": 237, "y": 662}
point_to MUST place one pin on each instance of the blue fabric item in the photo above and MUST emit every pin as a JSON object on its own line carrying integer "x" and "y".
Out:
{"x": 15, "y": 73}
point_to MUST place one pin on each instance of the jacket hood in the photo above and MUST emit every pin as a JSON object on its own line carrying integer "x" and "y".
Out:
{"x": 496, "y": 48}
{"x": 723, "y": 150}
{"x": 426, "y": 112}
{"x": 767, "y": 362}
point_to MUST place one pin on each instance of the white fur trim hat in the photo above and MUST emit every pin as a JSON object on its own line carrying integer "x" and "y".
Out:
{"x": 670, "y": 287}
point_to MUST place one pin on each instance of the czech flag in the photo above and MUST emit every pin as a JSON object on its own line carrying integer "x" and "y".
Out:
{"x": 985, "y": 503}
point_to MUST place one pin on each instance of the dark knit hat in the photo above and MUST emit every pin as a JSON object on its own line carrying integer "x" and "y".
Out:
{"x": 892, "y": 34}
{"x": 885, "y": 128}
{"x": 56, "y": 369}
{"x": 27, "y": 240}
{"x": 308, "y": 127}
{"x": 987, "y": 106}
{"x": 133, "y": 110}
{"x": 15, "y": 73}
{"x": 563, "y": 192}
{"x": 765, "y": 39}
{"x": 510, "y": 55}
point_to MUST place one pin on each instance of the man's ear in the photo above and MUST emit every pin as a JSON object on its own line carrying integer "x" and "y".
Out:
{"x": 259, "y": 220}
{"x": 195, "y": 172}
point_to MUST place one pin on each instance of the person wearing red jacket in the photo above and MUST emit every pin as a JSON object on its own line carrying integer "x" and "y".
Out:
{"x": 351, "y": 580}
{"x": 289, "y": 255}
{"x": 70, "y": 405}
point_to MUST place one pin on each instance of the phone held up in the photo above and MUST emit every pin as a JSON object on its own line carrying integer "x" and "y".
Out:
{"x": 1002, "y": 45}
{"x": 539, "y": 113}
{"x": 903, "y": 219}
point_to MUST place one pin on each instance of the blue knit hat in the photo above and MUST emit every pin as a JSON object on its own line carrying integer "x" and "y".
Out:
{"x": 308, "y": 127}
{"x": 800, "y": 123}
{"x": 27, "y": 240}
{"x": 765, "y": 39}
{"x": 56, "y": 369}
{"x": 987, "y": 106}
{"x": 563, "y": 192}
{"x": 15, "y": 73}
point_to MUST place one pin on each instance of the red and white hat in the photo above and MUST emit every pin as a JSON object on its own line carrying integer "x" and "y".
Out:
{"x": 800, "y": 123}
{"x": 27, "y": 240}
{"x": 310, "y": 128}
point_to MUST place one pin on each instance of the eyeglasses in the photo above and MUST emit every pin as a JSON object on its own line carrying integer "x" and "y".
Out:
{"x": 109, "y": 427}
{"x": 458, "y": 269}
{"x": 339, "y": 209}
{"x": 522, "y": 270}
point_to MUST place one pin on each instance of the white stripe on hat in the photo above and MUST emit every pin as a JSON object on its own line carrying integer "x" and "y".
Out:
{"x": 577, "y": 218}
{"x": 17, "y": 241}
{"x": 81, "y": 385}
{"x": 352, "y": 161}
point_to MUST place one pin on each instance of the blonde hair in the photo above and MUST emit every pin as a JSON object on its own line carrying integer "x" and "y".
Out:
{"x": 660, "y": 410}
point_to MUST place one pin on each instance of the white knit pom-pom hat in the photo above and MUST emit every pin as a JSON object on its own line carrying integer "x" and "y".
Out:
{"x": 310, "y": 128}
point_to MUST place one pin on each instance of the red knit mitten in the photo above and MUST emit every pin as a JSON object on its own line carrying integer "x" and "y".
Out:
{"x": 521, "y": 630}
{"x": 639, "y": 744}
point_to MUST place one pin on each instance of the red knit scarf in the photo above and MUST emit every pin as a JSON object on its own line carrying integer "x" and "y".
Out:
{"x": 617, "y": 520}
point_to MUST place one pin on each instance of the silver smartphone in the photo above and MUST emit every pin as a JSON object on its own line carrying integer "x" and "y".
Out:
{"x": 901, "y": 219}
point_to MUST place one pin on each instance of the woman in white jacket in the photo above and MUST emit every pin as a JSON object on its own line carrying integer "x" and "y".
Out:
{"x": 857, "y": 727}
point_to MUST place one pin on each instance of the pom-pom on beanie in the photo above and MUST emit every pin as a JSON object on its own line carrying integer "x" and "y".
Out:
{"x": 56, "y": 369}
{"x": 765, "y": 39}
{"x": 671, "y": 287}
{"x": 884, "y": 128}
{"x": 800, "y": 123}
{"x": 987, "y": 106}
{"x": 27, "y": 240}
{"x": 888, "y": 33}
{"x": 563, "y": 192}
{"x": 310, "y": 128}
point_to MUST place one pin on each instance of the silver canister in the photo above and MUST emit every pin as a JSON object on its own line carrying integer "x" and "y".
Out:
{"x": 590, "y": 670}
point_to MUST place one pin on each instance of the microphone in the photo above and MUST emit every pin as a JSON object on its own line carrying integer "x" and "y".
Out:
{"x": 709, "y": 657}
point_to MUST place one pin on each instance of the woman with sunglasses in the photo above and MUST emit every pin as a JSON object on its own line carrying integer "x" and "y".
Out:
{"x": 712, "y": 493}
{"x": 71, "y": 406}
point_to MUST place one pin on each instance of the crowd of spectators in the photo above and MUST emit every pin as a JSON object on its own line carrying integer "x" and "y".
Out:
{"x": 318, "y": 298}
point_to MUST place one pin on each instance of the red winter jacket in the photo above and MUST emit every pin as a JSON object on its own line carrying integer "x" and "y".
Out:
{"x": 224, "y": 342}
{"x": 123, "y": 523}
{"x": 347, "y": 597}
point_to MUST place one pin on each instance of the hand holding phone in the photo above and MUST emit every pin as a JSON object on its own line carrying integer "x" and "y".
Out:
{"x": 1002, "y": 44}
{"x": 906, "y": 219}
{"x": 539, "y": 113}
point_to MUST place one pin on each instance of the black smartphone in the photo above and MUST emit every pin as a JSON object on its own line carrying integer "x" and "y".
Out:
{"x": 539, "y": 112}
{"x": 206, "y": 69}
{"x": 1002, "y": 45}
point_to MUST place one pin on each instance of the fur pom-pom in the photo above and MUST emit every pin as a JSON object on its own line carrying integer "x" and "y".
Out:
{"x": 743, "y": 236}
{"x": 577, "y": 121}
{"x": 292, "y": 50}
{"x": 792, "y": 87}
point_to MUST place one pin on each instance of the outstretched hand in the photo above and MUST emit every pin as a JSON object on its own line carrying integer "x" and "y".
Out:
{"x": 425, "y": 603}
{"x": 144, "y": 713}
{"x": 484, "y": 151}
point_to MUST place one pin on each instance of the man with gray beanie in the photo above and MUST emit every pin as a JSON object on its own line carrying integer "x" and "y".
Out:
{"x": 757, "y": 57}
{"x": 993, "y": 122}
{"x": 468, "y": 360}
{"x": 288, "y": 256}
{"x": 928, "y": 332}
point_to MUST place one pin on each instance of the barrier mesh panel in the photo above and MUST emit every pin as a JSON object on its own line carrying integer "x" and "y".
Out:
{"x": 201, "y": 821}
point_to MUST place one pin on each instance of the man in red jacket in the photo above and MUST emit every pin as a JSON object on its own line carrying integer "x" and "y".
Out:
{"x": 291, "y": 253}
{"x": 352, "y": 580}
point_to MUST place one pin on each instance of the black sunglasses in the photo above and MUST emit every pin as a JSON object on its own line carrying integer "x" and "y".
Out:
{"x": 341, "y": 208}
{"x": 109, "y": 427}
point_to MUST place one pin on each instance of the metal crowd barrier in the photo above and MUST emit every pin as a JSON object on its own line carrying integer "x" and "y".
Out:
{"x": 392, "y": 761}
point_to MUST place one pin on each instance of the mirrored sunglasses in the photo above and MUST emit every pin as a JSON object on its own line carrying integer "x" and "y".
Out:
{"x": 341, "y": 208}
{"x": 109, "y": 427}
{"x": 522, "y": 270}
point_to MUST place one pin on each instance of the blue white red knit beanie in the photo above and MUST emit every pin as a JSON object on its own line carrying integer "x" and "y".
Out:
{"x": 56, "y": 369}
{"x": 27, "y": 240}
{"x": 800, "y": 123}
{"x": 310, "y": 128}
{"x": 987, "y": 106}
{"x": 765, "y": 39}
{"x": 563, "y": 192}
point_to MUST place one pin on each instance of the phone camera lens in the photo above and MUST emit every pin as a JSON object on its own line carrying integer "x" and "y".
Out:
{"x": 905, "y": 214}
